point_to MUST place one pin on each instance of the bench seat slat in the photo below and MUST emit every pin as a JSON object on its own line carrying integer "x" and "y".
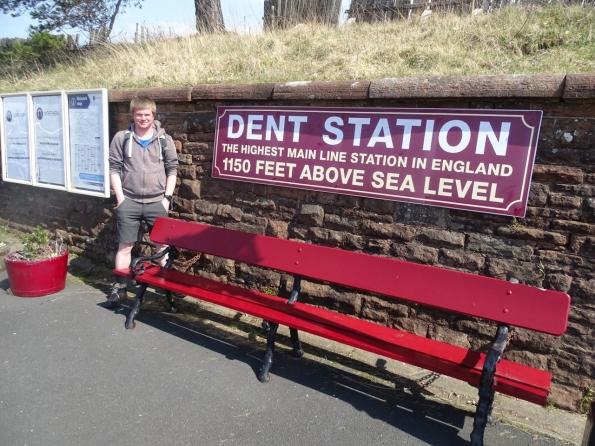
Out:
{"x": 511, "y": 378}
{"x": 488, "y": 298}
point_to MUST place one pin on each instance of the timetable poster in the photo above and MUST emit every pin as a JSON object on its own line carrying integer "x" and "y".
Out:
{"x": 16, "y": 139}
{"x": 86, "y": 139}
{"x": 48, "y": 140}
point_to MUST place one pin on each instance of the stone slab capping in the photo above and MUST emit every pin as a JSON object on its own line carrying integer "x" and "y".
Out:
{"x": 175, "y": 94}
{"x": 567, "y": 86}
{"x": 338, "y": 90}
{"x": 512, "y": 86}
{"x": 579, "y": 86}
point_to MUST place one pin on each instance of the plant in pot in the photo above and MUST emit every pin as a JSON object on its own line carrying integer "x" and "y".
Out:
{"x": 40, "y": 267}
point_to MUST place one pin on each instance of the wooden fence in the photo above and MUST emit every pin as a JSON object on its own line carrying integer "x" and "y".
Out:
{"x": 383, "y": 10}
{"x": 281, "y": 14}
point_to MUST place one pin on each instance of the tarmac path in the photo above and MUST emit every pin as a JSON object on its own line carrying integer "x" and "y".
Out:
{"x": 71, "y": 375}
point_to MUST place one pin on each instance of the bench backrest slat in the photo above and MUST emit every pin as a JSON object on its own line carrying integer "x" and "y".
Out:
{"x": 488, "y": 298}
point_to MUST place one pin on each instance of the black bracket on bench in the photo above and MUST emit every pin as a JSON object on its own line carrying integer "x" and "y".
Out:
{"x": 293, "y": 297}
{"x": 297, "y": 286}
{"x": 137, "y": 267}
{"x": 295, "y": 292}
{"x": 486, "y": 394}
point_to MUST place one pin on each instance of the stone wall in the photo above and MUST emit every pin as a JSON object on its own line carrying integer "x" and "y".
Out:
{"x": 553, "y": 247}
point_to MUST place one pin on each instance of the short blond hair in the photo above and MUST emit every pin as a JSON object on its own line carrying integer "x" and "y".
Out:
{"x": 139, "y": 102}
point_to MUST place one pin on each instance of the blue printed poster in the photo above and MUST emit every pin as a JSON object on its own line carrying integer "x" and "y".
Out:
{"x": 86, "y": 142}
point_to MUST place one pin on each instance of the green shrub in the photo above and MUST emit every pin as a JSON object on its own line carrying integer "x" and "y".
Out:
{"x": 39, "y": 245}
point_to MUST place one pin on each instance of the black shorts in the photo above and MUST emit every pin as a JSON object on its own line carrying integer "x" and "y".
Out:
{"x": 130, "y": 215}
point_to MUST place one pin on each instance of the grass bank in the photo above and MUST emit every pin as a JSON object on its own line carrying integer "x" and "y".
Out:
{"x": 512, "y": 41}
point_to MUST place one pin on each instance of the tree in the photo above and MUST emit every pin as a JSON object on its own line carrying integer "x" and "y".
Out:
{"x": 209, "y": 18}
{"x": 41, "y": 48}
{"x": 61, "y": 15}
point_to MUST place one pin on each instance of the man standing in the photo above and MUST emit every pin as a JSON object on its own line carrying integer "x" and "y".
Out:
{"x": 143, "y": 167}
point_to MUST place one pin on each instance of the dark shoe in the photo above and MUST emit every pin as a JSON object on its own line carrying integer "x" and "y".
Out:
{"x": 117, "y": 293}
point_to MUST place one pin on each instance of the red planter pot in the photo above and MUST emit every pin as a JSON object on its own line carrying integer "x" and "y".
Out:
{"x": 34, "y": 278}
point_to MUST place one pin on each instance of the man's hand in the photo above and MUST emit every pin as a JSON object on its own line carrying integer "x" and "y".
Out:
{"x": 116, "y": 183}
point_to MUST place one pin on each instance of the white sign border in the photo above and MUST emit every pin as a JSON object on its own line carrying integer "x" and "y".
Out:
{"x": 3, "y": 138}
{"x": 104, "y": 140}
{"x": 33, "y": 151}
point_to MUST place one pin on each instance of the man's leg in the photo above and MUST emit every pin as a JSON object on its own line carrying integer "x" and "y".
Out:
{"x": 158, "y": 248}
{"x": 118, "y": 291}
{"x": 150, "y": 213}
{"x": 129, "y": 215}
{"x": 124, "y": 255}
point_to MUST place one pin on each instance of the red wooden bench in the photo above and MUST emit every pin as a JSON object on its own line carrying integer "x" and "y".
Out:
{"x": 504, "y": 303}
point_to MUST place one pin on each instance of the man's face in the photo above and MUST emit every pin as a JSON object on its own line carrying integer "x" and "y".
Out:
{"x": 143, "y": 118}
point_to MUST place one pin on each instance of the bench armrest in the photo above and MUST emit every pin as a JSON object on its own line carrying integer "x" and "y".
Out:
{"x": 137, "y": 266}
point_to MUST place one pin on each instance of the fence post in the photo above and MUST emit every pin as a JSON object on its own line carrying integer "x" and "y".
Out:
{"x": 589, "y": 435}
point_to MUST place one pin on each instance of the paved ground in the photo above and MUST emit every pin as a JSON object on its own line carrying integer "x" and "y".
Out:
{"x": 72, "y": 375}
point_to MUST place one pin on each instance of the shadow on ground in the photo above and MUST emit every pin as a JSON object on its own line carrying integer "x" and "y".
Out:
{"x": 397, "y": 401}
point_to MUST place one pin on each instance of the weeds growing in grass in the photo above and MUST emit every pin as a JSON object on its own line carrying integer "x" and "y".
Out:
{"x": 511, "y": 41}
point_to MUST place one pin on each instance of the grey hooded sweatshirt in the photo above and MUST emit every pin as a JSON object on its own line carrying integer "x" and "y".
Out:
{"x": 143, "y": 170}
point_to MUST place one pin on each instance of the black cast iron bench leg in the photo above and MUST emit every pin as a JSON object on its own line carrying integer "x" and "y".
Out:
{"x": 297, "y": 351}
{"x": 268, "y": 357}
{"x": 130, "y": 324}
{"x": 170, "y": 301}
{"x": 137, "y": 268}
{"x": 486, "y": 394}
{"x": 139, "y": 300}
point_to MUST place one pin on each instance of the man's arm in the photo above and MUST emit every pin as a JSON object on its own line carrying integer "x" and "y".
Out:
{"x": 170, "y": 161}
{"x": 115, "y": 166}
{"x": 170, "y": 185}
{"x": 171, "y": 170}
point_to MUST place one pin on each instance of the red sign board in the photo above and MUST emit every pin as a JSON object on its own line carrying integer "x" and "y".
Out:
{"x": 477, "y": 160}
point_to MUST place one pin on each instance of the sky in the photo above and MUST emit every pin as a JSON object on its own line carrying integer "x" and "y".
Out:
{"x": 165, "y": 17}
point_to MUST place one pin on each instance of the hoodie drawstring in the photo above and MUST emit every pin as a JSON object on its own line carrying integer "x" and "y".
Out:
{"x": 130, "y": 147}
